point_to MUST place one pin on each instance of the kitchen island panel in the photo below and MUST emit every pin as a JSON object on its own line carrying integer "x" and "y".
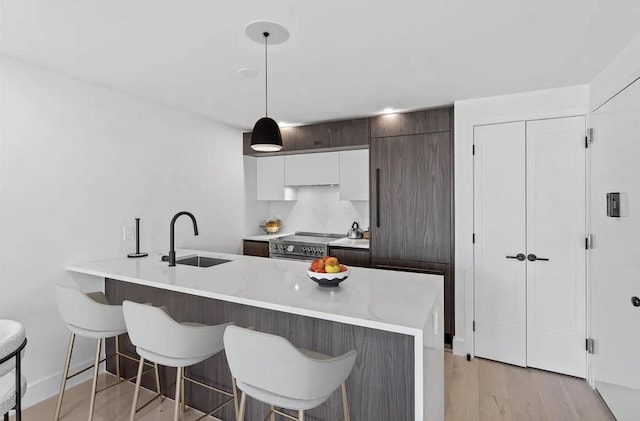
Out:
{"x": 381, "y": 386}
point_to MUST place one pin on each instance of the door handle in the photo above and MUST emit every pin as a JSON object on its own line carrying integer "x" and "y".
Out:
{"x": 533, "y": 258}
{"x": 519, "y": 257}
{"x": 378, "y": 197}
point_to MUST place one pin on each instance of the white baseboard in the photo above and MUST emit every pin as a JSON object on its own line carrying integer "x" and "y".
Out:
{"x": 50, "y": 386}
{"x": 460, "y": 347}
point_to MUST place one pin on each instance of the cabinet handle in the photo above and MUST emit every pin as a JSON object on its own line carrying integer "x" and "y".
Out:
{"x": 533, "y": 258}
{"x": 378, "y": 197}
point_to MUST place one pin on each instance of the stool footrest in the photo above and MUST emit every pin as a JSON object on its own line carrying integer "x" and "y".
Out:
{"x": 284, "y": 414}
{"x": 215, "y": 389}
{"x": 156, "y": 396}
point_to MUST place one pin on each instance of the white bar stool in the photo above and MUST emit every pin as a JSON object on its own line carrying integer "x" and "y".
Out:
{"x": 90, "y": 315}
{"x": 12, "y": 383}
{"x": 164, "y": 341}
{"x": 270, "y": 369}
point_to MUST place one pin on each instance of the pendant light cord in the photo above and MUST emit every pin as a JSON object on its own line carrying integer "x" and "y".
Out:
{"x": 266, "y": 70}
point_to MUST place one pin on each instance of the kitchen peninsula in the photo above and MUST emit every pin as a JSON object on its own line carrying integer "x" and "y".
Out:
{"x": 393, "y": 319}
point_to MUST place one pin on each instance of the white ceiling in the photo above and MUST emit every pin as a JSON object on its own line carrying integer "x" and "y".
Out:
{"x": 343, "y": 59}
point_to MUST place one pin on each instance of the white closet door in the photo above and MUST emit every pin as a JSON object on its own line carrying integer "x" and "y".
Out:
{"x": 499, "y": 224}
{"x": 556, "y": 289}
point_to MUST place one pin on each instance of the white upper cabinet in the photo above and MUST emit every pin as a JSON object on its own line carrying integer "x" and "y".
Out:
{"x": 312, "y": 169}
{"x": 270, "y": 179}
{"x": 354, "y": 175}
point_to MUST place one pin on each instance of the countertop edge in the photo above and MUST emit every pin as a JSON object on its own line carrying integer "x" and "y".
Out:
{"x": 388, "y": 327}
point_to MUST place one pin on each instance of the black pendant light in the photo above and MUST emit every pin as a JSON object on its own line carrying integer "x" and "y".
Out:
{"x": 266, "y": 135}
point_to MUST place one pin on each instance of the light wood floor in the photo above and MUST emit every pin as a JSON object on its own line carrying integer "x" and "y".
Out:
{"x": 478, "y": 390}
{"x": 483, "y": 390}
{"x": 113, "y": 404}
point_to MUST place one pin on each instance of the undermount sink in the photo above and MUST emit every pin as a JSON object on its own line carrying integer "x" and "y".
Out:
{"x": 200, "y": 261}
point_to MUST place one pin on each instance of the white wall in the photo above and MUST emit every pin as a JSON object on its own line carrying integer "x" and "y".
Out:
{"x": 319, "y": 209}
{"x": 256, "y": 210}
{"x": 77, "y": 162}
{"x": 469, "y": 113}
{"x": 614, "y": 270}
{"x": 623, "y": 70}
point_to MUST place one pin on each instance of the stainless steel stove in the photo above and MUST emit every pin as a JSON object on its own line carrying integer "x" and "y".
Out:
{"x": 301, "y": 246}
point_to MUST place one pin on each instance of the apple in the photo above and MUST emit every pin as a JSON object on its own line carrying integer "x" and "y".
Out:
{"x": 332, "y": 268}
{"x": 322, "y": 270}
{"x": 331, "y": 261}
{"x": 317, "y": 264}
{"x": 343, "y": 268}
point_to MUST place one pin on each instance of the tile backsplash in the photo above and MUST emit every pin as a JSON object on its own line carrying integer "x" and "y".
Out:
{"x": 319, "y": 209}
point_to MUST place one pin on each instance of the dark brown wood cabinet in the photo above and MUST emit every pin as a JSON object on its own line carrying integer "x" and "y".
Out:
{"x": 411, "y": 205}
{"x": 418, "y": 122}
{"x": 295, "y": 140}
{"x": 349, "y": 133}
{"x": 351, "y": 256}
{"x": 302, "y": 138}
{"x": 255, "y": 248}
{"x": 410, "y": 179}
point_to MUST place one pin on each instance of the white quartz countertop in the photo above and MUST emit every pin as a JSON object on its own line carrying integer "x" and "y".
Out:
{"x": 347, "y": 242}
{"x": 266, "y": 237}
{"x": 387, "y": 300}
{"x": 341, "y": 242}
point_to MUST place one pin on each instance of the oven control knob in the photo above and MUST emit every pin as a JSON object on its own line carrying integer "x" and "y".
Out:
{"x": 281, "y": 247}
{"x": 290, "y": 249}
{"x": 304, "y": 249}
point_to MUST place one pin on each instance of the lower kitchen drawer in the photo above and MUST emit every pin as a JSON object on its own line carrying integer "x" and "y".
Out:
{"x": 351, "y": 256}
{"x": 255, "y": 248}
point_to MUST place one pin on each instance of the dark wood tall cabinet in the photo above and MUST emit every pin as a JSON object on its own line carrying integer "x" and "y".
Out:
{"x": 411, "y": 205}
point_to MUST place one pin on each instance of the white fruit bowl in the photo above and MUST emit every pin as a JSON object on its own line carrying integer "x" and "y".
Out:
{"x": 328, "y": 280}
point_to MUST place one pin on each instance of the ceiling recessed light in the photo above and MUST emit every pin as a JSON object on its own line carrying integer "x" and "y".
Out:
{"x": 284, "y": 124}
{"x": 388, "y": 110}
{"x": 248, "y": 73}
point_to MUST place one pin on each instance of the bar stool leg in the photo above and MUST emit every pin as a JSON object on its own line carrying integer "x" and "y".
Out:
{"x": 345, "y": 403}
{"x": 118, "y": 357}
{"x": 160, "y": 397}
{"x": 65, "y": 374}
{"x": 182, "y": 392}
{"x": 136, "y": 392}
{"x": 234, "y": 388}
{"x": 301, "y": 415}
{"x": 176, "y": 410}
{"x": 243, "y": 405}
{"x": 94, "y": 385}
{"x": 18, "y": 372}
{"x": 272, "y": 417}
